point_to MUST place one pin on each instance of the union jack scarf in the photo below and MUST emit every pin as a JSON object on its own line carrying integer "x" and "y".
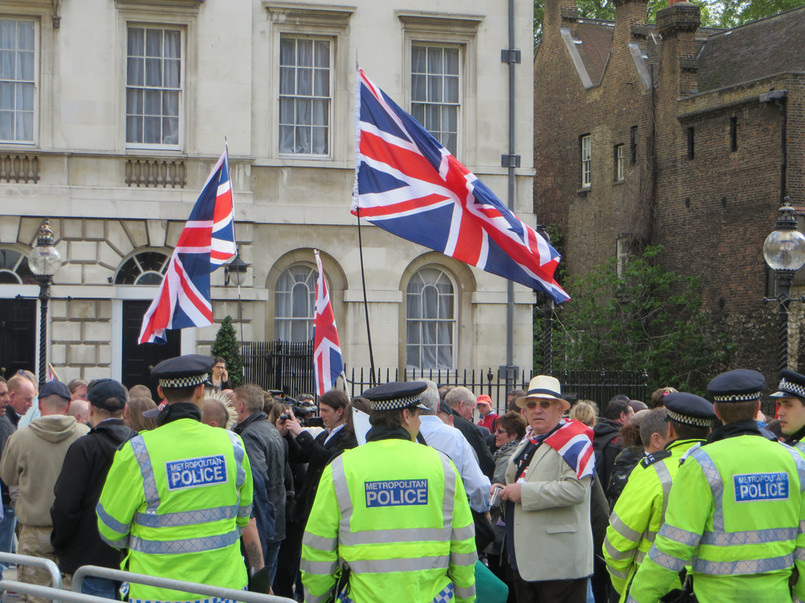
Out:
{"x": 573, "y": 440}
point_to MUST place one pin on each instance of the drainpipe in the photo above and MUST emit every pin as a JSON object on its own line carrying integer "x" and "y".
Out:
{"x": 779, "y": 98}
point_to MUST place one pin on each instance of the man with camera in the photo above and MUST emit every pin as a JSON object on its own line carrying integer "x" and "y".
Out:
{"x": 266, "y": 450}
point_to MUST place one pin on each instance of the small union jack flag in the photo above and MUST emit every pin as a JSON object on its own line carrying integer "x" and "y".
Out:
{"x": 574, "y": 442}
{"x": 327, "y": 360}
{"x": 410, "y": 185}
{"x": 206, "y": 243}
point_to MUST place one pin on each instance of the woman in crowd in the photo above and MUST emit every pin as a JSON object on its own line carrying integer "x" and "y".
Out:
{"x": 220, "y": 378}
{"x": 134, "y": 414}
{"x": 509, "y": 432}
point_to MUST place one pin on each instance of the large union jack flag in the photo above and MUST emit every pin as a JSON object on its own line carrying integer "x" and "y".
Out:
{"x": 206, "y": 243}
{"x": 327, "y": 360}
{"x": 411, "y": 186}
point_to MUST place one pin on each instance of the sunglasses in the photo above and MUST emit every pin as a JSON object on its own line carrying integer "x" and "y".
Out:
{"x": 543, "y": 404}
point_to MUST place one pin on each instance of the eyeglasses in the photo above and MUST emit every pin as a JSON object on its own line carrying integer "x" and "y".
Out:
{"x": 543, "y": 404}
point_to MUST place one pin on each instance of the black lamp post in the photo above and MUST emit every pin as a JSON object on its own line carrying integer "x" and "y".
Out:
{"x": 784, "y": 252}
{"x": 44, "y": 260}
{"x": 236, "y": 272}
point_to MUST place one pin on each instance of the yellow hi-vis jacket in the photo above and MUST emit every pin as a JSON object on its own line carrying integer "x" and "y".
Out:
{"x": 640, "y": 511}
{"x": 736, "y": 512}
{"x": 396, "y": 512}
{"x": 178, "y": 498}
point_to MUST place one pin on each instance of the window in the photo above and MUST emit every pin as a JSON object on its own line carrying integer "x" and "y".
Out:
{"x": 633, "y": 145}
{"x": 144, "y": 268}
{"x": 430, "y": 320}
{"x": 691, "y": 143}
{"x": 153, "y": 86}
{"x": 17, "y": 80}
{"x": 435, "y": 91}
{"x": 294, "y": 302}
{"x": 14, "y": 269}
{"x": 620, "y": 160}
{"x": 586, "y": 160}
{"x": 733, "y": 134}
{"x": 305, "y": 97}
{"x": 622, "y": 253}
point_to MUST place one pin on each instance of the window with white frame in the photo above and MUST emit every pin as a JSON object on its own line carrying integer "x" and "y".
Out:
{"x": 17, "y": 80}
{"x": 586, "y": 160}
{"x": 435, "y": 91}
{"x": 154, "y": 80}
{"x": 305, "y": 95}
{"x": 14, "y": 269}
{"x": 620, "y": 163}
{"x": 430, "y": 320}
{"x": 294, "y": 303}
{"x": 143, "y": 268}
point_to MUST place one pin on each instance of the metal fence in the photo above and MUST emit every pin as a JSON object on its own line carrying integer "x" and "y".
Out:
{"x": 279, "y": 365}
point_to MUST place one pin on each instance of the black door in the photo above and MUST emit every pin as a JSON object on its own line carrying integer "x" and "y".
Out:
{"x": 138, "y": 360}
{"x": 17, "y": 336}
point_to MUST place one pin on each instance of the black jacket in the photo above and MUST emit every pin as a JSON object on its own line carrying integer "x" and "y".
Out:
{"x": 473, "y": 436}
{"x": 607, "y": 446}
{"x": 75, "y": 535}
{"x": 266, "y": 452}
{"x": 304, "y": 448}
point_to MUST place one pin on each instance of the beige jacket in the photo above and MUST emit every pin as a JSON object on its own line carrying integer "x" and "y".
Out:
{"x": 33, "y": 459}
{"x": 553, "y": 539}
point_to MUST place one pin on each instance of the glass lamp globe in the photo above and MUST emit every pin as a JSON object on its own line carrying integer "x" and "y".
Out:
{"x": 44, "y": 259}
{"x": 784, "y": 250}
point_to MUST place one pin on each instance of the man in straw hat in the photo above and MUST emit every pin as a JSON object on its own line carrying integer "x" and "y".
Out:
{"x": 547, "y": 500}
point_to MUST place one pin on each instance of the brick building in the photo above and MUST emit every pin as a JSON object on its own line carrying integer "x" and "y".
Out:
{"x": 678, "y": 135}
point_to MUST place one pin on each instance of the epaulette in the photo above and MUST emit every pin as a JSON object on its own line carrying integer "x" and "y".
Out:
{"x": 654, "y": 457}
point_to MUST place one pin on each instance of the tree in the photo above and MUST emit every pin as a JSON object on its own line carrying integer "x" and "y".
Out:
{"x": 645, "y": 319}
{"x": 227, "y": 347}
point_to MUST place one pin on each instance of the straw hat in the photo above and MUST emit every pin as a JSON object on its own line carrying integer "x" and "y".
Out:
{"x": 543, "y": 387}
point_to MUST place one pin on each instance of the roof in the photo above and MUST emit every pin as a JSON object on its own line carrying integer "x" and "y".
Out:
{"x": 595, "y": 45}
{"x": 753, "y": 51}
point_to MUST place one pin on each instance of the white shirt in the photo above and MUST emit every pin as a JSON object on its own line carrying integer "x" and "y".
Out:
{"x": 450, "y": 441}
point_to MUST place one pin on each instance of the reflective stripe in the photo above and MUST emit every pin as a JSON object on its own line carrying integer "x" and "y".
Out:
{"x": 464, "y": 533}
{"x": 622, "y": 529}
{"x": 615, "y": 553}
{"x": 464, "y": 593}
{"x": 190, "y": 545}
{"x": 748, "y": 566}
{"x": 688, "y": 452}
{"x": 320, "y": 568}
{"x": 665, "y": 481}
{"x": 650, "y": 535}
{"x": 342, "y": 493}
{"x": 749, "y": 537}
{"x": 716, "y": 487}
{"x": 311, "y": 599}
{"x": 449, "y": 490}
{"x": 111, "y": 522}
{"x": 679, "y": 535}
{"x": 800, "y": 463}
{"x": 237, "y": 445}
{"x": 319, "y": 542}
{"x": 667, "y": 561}
{"x": 400, "y": 535}
{"x": 802, "y": 527}
{"x": 147, "y": 471}
{"x": 799, "y": 554}
{"x": 466, "y": 559}
{"x": 408, "y": 564}
{"x": 638, "y": 558}
{"x": 122, "y": 543}
{"x": 616, "y": 573}
{"x": 185, "y": 518}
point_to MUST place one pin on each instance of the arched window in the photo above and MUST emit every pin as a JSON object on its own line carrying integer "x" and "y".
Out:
{"x": 294, "y": 303}
{"x": 144, "y": 268}
{"x": 430, "y": 320}
{"x": 14, "y": 268}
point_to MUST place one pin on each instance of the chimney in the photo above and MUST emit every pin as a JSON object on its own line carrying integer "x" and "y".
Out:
{"x": 558, "y": 13}
{"x": 677, "y": 24}
{"x": 629, "y": 14}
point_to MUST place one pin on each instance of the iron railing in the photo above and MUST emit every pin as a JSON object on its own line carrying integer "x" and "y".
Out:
{"x": 279, "y": 365}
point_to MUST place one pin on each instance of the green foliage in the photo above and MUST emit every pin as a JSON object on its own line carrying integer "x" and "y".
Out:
{"x": 227, "y": 347}
{"x": 647, "y": 319}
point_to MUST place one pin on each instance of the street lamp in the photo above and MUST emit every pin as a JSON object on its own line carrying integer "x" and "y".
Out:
{"x": 44, "y": 260}
{"x": 784, "y": 252}
{"x": 236, "y": 271}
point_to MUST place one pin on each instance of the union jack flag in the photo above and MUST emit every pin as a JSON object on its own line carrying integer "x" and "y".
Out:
{"x": 206, "y": 243}
{"x": 574, "y": 442}
{"x": 410, "y": 185}
{"x": 327, "y": 360}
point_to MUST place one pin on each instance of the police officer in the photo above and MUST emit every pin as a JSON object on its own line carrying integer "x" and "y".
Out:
{"x": 178, "y": 497}
{"x": 734, "y": 510}
{"x": 394, "y": 512}
{"x": 640, "y": 510}
{"x": 791, "y": 409}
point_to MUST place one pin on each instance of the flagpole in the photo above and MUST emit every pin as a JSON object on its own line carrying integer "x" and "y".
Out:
{"x": 366, "y": 306}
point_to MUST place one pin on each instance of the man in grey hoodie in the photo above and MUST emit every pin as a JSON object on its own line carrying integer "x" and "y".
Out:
{"x": 32, "y": 460}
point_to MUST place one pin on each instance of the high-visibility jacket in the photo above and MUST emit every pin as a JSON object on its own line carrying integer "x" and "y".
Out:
{"x": 640, "y": 511}
{"x": 734, "y": 512}
{"x": 396, "y": 512}
{"x": 178, "y": 498}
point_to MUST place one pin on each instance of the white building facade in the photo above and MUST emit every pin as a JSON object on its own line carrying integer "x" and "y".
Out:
{"x": 112, "y": 113}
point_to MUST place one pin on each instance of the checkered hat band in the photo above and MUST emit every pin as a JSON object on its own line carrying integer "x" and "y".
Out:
{"x": 395, "y": 403}
{"x": 179, "y": 382}
{"x": 790, "y": 387}
{"x": 737, "y": 397}
{"x": 696, "y": 421}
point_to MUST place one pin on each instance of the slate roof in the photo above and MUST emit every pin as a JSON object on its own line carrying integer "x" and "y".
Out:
{"x": 596, "y": 45}
{"x": 753, "y": 51}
